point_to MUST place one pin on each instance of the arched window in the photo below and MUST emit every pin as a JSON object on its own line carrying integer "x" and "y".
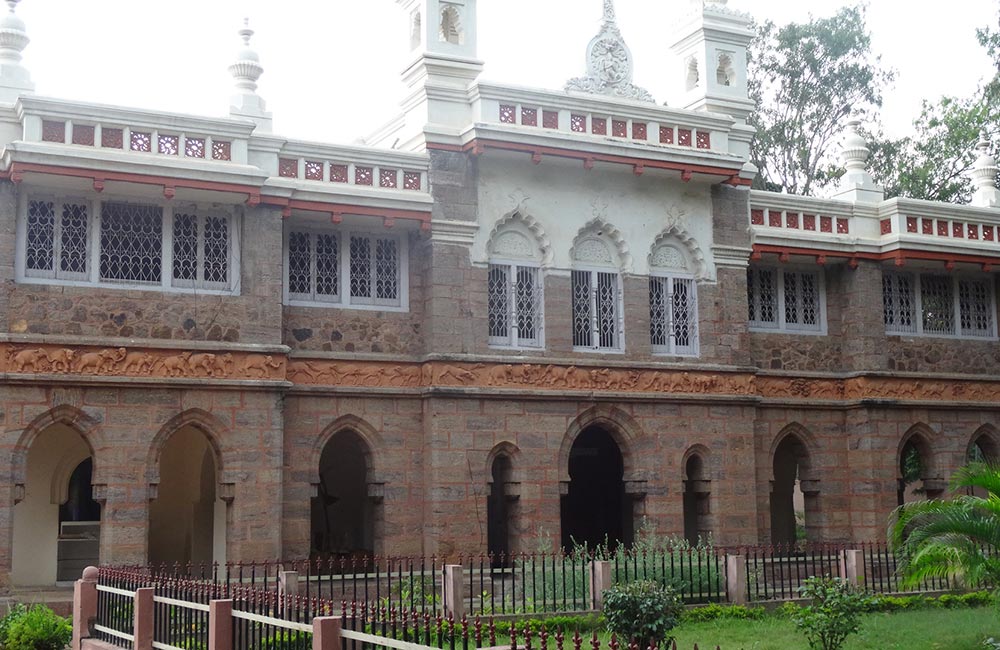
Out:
{"x": 692, "y": 73}
{"x": 451, "y": 25}
{"x": 725, "y": 74}
{"x": 596, "y": 291}
{"x": 697, "y": 501}
{"x": 416, "y": 27}
{"x": 515, "y": 287}
{"x": 673, "y": 302}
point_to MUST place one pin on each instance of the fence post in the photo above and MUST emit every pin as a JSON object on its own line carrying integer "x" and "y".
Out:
{"x": 736, "y": 579}
{"x": 326, "y": 633}
{"x": 220, "y": 625}
{"x": 142, "y": 622}
{"x": 852, "y": 566}
{"x": 600, "y": 581}
{"x": 288, "y": 585}
{"x": 84, "y": 605}
{"x": 454, "y": 588}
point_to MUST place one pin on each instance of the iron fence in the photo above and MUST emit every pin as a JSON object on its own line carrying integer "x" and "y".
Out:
{"x": 777, "y": 572}
{"x": 697, "y": 573}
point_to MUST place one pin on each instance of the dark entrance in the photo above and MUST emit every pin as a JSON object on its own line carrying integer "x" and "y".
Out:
{"x": 498, "y": 512}
{"x": 595, "y": 510}
{"x": 342, "y": 514}
{"x": 697, "y": 527}
{"x": 790, "y": 507}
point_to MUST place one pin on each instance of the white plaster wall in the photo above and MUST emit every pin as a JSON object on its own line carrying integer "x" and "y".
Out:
{"x": 563, "y": 197}
{"x": 36, "y": 518}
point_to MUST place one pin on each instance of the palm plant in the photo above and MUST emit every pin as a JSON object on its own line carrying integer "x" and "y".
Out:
{"x": 956, "y": 538}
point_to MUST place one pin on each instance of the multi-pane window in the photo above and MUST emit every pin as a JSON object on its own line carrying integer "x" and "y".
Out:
{"x": 673, "y": 315}
{"x": 597, "y": 310}
{"x": 515, "y": 305}
{"x": 351, "y": 269}
{"x": 119, "y": 243}
{"x": 780, "y": 299}
{"x": 938, "y": 305}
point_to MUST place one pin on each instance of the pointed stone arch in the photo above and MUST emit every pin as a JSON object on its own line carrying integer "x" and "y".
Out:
{"x": 64, "y": 414}
{"x": 599, "y": 230}
{"x": 922, "y": 436}
{"x": 987, "y": 438}
{"x": 511, "y": 451}
{"x": 679, "y": 239}
{"x": 368, "y": 435}
{"x": 214, "y": 430}
{"x": 696, "y": 493}
{"x": 519, "y": 229}
{"x": 794, "y": 496}
{"x": 622, "y": 427}
{"x": 929, "y": 483}
{"x": 797, "y": 430}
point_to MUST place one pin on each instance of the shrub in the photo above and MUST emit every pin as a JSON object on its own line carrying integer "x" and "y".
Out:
{"x": 716, "y": 611}
{"x": 643, "y": 611}
{"x": 38, "y": 628}
{"x": 14, "y": 612}
{"x": 788, "y": 610}
{"x": 833, "y": 615}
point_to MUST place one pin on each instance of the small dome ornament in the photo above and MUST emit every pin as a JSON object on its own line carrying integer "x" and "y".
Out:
{"x": 855, "y": 152}
{"x": 13, "y": 35}
{"x": 984, "y": 175}
{"x": 247, "y": 68}
{"x": 609, "y": 63}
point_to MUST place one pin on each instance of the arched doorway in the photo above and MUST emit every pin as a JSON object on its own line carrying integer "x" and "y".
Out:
{"x": 697, "y": 501}
{"x": 595, "y": 508}
{"x": 343, "y": 517}
{"x": 793, "y": 494}
{"x": 916, "y": 472}
{"x": 982, "y": 449}
{"x": 187, "y": 519}
{"x": 57, "y": 522}
{"x": 498, "y": 511}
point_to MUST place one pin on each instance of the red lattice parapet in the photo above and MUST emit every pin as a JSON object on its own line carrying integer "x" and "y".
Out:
{"x": 843, "y": 226}
{"x": 508, "y": 114}
{"x": 314, "y": 170}
{"x": 774, "y": 218}
{"x": 826, "y": 224}
{"x": 792, "y": 220}
{"x": 112, "y": 138}
{"x": 168, "y": 145}
{"x": 703, "y": 140}
{"x": 388, "y": 178}
{"x": 363, "y": 176}
{"x": 957, "y": 231}
{"x": 809, "y": 222}
{"x": 619, "y": 128}
{"x": 194, "y": 147}
{"x": 599, "y": 126}
{"x": 83, "y": 134}
{"x": 757, "y": 217}
{"x": 973, "y": 231}
{"x": 639, "y": 131}
{"x": 885, "y": 226}
{"x": 411, "y": 181}
{"x": 666, "y": 135}
{"x": 684, "y": 137}
{"x": 288, "y": 167}
{"x": 222, "y": 150}
{"x": 927, "y": 226}
{"x": 53, "y": 131}
{"x": 338, "y": 174}
{"x": 942, "y": 228}
{"x": 578, "y": 123}
{"x": 140, "y": 141}
{"x": 529, "y": 116}
{"x": 988, "y": 233}
{"x": 911, "y": 224}
{"x": 550, "y": 119}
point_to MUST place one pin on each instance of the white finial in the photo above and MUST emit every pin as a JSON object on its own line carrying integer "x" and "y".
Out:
{"x": 855, "y": 150}
{"x": 984, "y": 175}
{"x": 609, "y": 11}
{"x": 857, "y": 184}
{"x": 246, "y": 70}
{"x": 15, "y": 79}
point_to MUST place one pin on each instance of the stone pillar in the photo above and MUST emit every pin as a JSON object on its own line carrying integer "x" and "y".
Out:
{"x": 454, "y": 590}
{"x": 220, "y": 625}
{"x": 852, "y": 566}
{"x": 600, "y": 580}
{"x": 736, "y": 579}
{"x": 326, "y": 633}
{"x": 84, "y": 605}
{"x": 142, "y": 627}
{"x": 288, "y": 585}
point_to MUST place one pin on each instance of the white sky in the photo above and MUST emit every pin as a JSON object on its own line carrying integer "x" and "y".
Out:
{"x": 332, "y": 66}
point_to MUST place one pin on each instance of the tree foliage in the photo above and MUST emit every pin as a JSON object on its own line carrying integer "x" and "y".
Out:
{"x": 806, "y": 80}
{"x": 952, "y": 539}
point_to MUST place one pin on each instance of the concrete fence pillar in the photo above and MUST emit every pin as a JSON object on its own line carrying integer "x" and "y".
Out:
{"x": 288, "y": 585}
{"x": 454, "y": 590}
{"x": 326, "y": 633}
{"x": 220, "y": 625}
{"x": 142, "y": 627}
{"x": 600, "y": 581}
{"x": 736, "y": 579}
{"x": 84, "y": 605}
{"x": 852, "y": 566}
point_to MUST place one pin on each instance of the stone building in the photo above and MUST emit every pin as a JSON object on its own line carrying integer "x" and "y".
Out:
{"x": 514, "y": 317}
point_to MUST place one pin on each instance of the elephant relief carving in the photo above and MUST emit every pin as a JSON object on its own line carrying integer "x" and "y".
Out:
{"x": 258, "y": 367}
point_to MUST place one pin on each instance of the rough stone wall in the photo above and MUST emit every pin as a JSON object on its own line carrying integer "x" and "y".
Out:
{"x": 935, "y": 355}
{"x": 253, "y": 316}
{"x": 126, "y": 427}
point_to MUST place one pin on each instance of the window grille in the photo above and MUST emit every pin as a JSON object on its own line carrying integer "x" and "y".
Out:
{"x": 784, "y": 300}
{"x": 350, "y": 269}
{"x": 596, "y": 297}
{"x": 673, "y": 315}
{"x": 947, "y": 305}
{"x": 130, "y": 242}
{"x": 514, "y": 305}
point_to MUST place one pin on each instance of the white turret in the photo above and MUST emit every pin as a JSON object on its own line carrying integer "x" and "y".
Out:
{"x": 857, "y": 184}
{"x": 15, "y": 80}
{"x": 245, "y": 102}
{"x": 984, "y": 176}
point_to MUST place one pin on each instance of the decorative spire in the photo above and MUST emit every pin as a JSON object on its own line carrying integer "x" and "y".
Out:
{"x": 15, "y": 79}
{"x": 246, "y": 70}
{"x": 857, "y": 184}
{"x": 609, "y": 63}
{"x": 984, "y": 175}
{"x": 855, "y": 152}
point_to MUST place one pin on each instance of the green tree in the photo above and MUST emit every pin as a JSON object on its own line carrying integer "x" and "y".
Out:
{"x": 806, "y": 80}
{"x": 952, "y": 538}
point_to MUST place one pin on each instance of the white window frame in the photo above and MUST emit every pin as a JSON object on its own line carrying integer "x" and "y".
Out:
{"x": 671, "y": 348}
{"x": 343, "y": 300}
{"x": 514, "y": 340}
{"x": 916, "y": 299}
{"x": 594, "y": 326}
{"x": 92, "y": 278}
{"x": 55, "y": 275}
{"x": 820, "y": 329}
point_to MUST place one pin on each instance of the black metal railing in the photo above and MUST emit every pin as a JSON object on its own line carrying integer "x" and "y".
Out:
{"x": 115, "y": 605}
{"x": 697, "y": 573}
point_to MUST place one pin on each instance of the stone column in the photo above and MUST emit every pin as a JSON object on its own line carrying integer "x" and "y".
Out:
{"x": 84, "y": 606}
{"x": 220, "y": 625}
{"x": 326, "y": 633}
{"x": 600, "y": 581}
{"x": 142, "y": 627}
{"x": 736, "y": 579}
{"x": 454, "y": 590}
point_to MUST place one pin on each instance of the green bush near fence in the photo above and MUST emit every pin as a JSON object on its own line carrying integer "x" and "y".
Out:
{"x": 642, "y": 611}
{"x": 34, "y": 628}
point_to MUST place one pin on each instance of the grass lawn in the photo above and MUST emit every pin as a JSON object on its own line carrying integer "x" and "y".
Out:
{"x": 926, "y": 629}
